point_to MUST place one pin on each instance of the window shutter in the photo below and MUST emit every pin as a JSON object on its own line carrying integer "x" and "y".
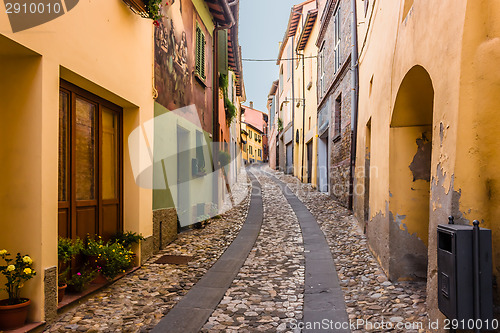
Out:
{"x": 222, "y": 51}
{"x": 200, "y": 52}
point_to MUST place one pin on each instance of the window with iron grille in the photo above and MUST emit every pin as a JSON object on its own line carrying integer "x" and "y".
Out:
{"x": 200, "y": 52}
{"x": 336, "y": 24}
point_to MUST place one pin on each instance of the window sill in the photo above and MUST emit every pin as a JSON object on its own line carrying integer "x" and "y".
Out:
{"x": 336, "y": 138}
{"x": 200, "y": 80}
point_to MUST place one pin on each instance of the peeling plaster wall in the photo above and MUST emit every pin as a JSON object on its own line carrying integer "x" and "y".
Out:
{"x": 413, "y": 36}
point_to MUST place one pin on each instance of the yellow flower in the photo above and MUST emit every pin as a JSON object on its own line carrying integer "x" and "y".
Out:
{"x": 27, "y": 270}
{"x": 27, "y": 260}
{"x": 2, "y": 252}
{"x": 10, "y": 268}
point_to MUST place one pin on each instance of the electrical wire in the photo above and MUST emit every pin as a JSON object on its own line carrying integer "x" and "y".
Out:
{"x": 274, "y": 60}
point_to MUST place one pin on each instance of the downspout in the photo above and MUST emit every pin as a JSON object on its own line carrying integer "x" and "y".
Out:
{"x": 354, "y": 97}
{"x": 293, "y": 110}
{"x": 303, "y": 113}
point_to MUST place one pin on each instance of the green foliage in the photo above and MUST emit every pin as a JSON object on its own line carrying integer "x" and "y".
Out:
{"x": 280, "y": 125}
{"x": 110, "y": 258}
{"x": 229, "y": 107}
{"x": 154, "y": 9}
{"x": 67, "y": 249}
{"x": 16, "y": 270}
{"x": 223, "y": 82}
{"x": 224, "y": 158}
{"x": 115, "y": 260}
{"x": 230, "y": 110}
{"x": 81, "y": 279}
{"x": 127, "y": 239}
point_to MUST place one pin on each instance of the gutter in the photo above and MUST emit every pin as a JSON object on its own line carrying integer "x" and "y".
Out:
{"x": 354, "y": 100}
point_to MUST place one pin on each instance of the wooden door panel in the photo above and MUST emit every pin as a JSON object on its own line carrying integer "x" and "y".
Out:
{"x": 86, "y": 219}
{"x": 110, "y": 221}
{"x": 63, "y": 221}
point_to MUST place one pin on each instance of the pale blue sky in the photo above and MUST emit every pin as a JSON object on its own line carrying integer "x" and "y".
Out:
{"x": 262, "y": 27}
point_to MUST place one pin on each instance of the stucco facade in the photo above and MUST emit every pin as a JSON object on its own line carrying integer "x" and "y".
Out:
{"x": 427, "y": 129}
{"x": 32, "y": 63}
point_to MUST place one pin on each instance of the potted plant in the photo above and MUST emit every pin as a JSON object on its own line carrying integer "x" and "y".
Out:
{"x": 116, "y": 260}
{"x": 79, "y": 281}
{"x": 67, "y": 249}
{"x": 14, "y": 310}
{"x": 94, "y": 250}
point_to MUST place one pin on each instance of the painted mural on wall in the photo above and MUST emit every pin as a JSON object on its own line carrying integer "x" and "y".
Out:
{"x": 173, "y": 55}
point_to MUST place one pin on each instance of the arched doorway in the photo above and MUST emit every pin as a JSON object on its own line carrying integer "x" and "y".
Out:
{"x": 409, "y": 175}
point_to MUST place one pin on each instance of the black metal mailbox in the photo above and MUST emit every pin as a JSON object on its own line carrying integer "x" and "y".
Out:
{"x": 456, "y": 280}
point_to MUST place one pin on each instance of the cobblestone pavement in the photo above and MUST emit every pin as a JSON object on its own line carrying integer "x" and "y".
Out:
{"x": 368, "y": 294}
{"x": 268, "y": 292}
{"x": 137, "y": 302}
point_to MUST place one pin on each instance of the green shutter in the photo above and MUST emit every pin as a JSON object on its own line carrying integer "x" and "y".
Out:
{"x": 222, "y": 51}
{"x": 200, "y": 52}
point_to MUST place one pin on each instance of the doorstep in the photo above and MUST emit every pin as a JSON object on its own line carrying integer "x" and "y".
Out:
{"x": 71, "y": 299}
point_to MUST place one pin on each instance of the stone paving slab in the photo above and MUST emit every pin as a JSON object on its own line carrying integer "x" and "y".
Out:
{"x": 207, "y": 294}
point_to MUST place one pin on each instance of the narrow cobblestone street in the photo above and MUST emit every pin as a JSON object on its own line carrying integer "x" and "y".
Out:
{"x": 268, "y": 292}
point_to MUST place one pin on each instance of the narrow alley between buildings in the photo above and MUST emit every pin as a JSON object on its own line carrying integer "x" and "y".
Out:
{"x": 273, "y": 286}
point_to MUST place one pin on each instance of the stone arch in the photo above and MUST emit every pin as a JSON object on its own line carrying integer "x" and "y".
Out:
{"x": 409, "y": 175}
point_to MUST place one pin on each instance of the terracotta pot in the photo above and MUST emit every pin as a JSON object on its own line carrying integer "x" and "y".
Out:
{"x": 61, "y": 291}
{"x": 13, "y": 316}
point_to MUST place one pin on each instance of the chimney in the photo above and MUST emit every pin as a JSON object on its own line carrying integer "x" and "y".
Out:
{"x": 251, "y": 105}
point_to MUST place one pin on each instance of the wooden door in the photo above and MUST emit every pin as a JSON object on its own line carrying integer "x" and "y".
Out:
{"x": 90, "y": 169}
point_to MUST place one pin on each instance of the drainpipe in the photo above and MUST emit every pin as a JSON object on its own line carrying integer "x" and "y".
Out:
{"x": 354, "y": 97}
{"x": 303, "y": 113}
{"x": 293, "y": 110}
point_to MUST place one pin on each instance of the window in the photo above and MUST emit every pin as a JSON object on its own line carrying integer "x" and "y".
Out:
{"x": 250, "y": 134}
{"x": 337, "y": 39}
{"x": 250, "y": 150}
{"x": 338, "y": 112}
{"x": 322, "y": 70}
{"x": 200, "y": 53}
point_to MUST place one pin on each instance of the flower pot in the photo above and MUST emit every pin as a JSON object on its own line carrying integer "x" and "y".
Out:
{"x": 13, "y": 316}
{"x": 61, "y": 290}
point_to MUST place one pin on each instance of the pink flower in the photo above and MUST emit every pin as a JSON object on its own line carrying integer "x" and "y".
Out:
{"x": 78, "y": 273}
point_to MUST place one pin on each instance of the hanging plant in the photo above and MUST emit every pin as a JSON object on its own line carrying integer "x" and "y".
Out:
{"x": 154, "y": 10}
{"x": 148, "y": 8}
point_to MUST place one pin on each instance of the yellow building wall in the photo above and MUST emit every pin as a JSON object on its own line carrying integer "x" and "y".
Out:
{"x": 459, "y": 58}
{"x": 251, "y": 141}
{"x": 102, "y": 47}
{"x": 306, "y": 77}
